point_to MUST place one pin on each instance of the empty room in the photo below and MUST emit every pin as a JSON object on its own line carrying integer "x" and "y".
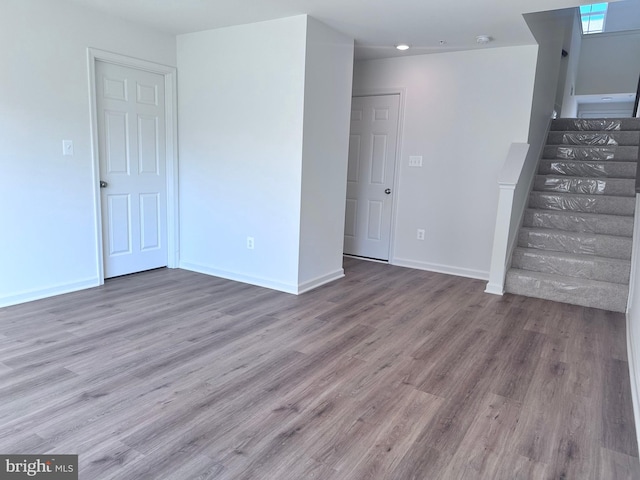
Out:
{"x": 319, "y": 240}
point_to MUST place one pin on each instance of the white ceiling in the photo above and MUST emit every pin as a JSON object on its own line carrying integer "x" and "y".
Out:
{"x": 376, "y": 25}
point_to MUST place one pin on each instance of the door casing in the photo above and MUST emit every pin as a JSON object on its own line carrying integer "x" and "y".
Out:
{"x": 171, "y": 149}
{"x": 396, "y": 181}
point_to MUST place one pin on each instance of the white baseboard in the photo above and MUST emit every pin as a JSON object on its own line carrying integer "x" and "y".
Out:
{"x": 240, "y": 277}
{"x": 631, "y": 360}
{"x": 51, "y": 291}
{"x": 447, "y": 269}
{"x": 319, "y": 281}
{"x": 494, "y": 288}
{"x": 264, "y": 282}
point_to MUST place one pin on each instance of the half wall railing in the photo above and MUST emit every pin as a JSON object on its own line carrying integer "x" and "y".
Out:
{"x": 506, "y": 225}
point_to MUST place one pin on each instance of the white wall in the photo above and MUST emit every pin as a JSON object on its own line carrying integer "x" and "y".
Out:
{"x": 569, "y": 40}
{"x": 552, "y": 31}
{"x": 240, "y": 118}
{"x": 327, "y": 111}
{"x": 633, "y": 322}
{"x": 609, "y": 63}
{"x": 549, "y": 29}
{"x": 605, "y": 110}
{"x": 569, "y": 104}
{"x": 47, "y": 215}
{"x": 462, "y": 111}
{"x": 623, "y": 15}
{"x": 258, "y": 104}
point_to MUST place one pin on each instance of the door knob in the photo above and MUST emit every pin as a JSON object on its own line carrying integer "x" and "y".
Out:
{"x": 387, "y": 191}
{"x": 103, "y": 184}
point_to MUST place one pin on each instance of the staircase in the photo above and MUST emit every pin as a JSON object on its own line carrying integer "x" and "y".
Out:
{"x": 575, "y": 242}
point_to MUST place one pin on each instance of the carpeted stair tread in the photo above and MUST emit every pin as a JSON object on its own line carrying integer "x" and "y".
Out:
{"x": 605, "y": 204}
{"x": 586, "y": 125}
{"x": 593, "y": 138}
{"x": 574, "y": 242}
{"x": 585, "y": 185}
{"x": 572, "y": 265}
{"x": 581, "y": 152}
{"x": 579, "y": 222}
{"x": 586, "y": 168}
{"x": 576, "y": 291}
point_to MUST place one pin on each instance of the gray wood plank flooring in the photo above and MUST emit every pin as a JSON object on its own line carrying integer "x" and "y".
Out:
{"x": 389, "y": 373}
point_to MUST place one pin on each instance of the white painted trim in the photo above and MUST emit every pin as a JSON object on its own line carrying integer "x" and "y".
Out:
{"x": 500, "y": 251}
{"x": 503, "y": 244}
{"x": 30, "y": 295}
{"x": 402, "y": 92}
{"x": 494, "y": 288}
{"x": 240, "y": 277}
{"x": 513, "y": 241}
{"x": 514, "y": 163}
{"x": 634, "y": 255}
{"x": 171, "y": 148}
{"x": 366, "y": 259}
{"x": 631, "y": 360}
{"x": 319, "y": 281}
{"x": 95, "y": 165}
{"x": 438, "y": 268}
{"x": 632, "y": 352}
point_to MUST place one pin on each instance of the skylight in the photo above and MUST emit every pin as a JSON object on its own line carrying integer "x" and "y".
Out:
{"x": 593, "y": 17}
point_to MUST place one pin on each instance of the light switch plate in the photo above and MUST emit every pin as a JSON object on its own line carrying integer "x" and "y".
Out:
{"x": 415, "y": 161}
{"x": 67, "y": 147}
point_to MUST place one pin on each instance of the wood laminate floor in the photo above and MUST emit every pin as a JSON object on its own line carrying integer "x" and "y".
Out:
{"x": 389, "y": 373}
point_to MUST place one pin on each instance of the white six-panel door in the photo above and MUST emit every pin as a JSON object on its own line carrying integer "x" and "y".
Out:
{"x": 372, "y": 158}
{"x": 131, "y": 139}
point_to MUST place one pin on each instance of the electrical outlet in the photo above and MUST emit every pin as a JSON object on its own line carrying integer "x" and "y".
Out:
{"x": 415, "y": 161}
{"x": 250, "y": 243}
{"x": 420, "y": 234}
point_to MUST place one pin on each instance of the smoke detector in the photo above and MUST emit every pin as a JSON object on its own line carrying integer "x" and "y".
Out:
{"x": 482, "y": 39}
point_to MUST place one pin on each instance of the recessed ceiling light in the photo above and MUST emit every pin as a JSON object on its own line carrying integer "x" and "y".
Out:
{"x": 402, "y": 46}
{"x": 607, "y": 99}
{"x": 482, "y": 39}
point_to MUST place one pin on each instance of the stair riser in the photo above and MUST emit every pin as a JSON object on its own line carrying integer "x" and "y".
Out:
{"x": 586, "y": 186}
{"x": 573, "y": 124}
{"x": 602, "y": 246}
{"x": 588, "y": 169}
{"x": 593, "y": 138}
{"x": 575, "y": 243}
{"x": 584, "y": 267}
{"x": 582, "y": 203}
{"x": 579, "y": 223}
{"x": 610, "y": 296}
{"x": 625, "y": 154}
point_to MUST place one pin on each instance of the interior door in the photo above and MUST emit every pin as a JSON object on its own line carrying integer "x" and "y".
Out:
{"x": 131, "y": 139}
{"x": 372, "y": 159}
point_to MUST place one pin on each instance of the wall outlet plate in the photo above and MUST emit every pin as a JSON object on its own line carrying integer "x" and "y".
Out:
{"x": 415, "y": 161}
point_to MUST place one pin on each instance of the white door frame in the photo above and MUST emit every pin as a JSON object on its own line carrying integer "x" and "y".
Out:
{"x": 171, "y": 148}
{"x": 396, "y": 175}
